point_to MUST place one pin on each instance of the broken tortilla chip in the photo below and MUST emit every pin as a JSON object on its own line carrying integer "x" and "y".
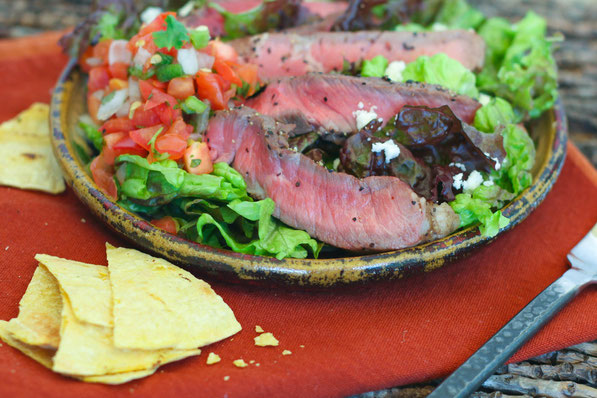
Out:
{"x": 87, "y": 286}
{"x": 100, "y": 355}
{"x": 41, "y": 355}
{"x": 38, "y": 323}
{"x": 158, "y": 305}
{"x": 26, "y": 157}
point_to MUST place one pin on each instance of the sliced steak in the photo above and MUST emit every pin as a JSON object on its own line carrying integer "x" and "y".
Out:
{"x": 373, "y": 213}
{"x": 291, "y": 54}
{"x": 330, "y": 102}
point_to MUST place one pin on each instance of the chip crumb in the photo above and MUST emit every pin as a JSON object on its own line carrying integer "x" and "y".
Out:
{"x": 302, "y": 346}
{"x": 240, "y": 363}
{"x": 83, "y": 220}
{"x": 257, "y": 364}
{"x": 6, "y": 248}
{"x": 266, "y": 339}
{"x": 252, "y": 361}
{"x": 259, "y": 329}
{"x": 286, "y": 352}
{"x": 213, "y": 358}
{"x": 226, "y": 378}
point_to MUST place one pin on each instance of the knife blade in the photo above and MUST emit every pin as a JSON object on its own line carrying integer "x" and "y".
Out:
{"x": 483, "y": 363}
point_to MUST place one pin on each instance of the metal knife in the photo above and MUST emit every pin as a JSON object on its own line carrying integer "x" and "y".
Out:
{"x": 483, "y": 363}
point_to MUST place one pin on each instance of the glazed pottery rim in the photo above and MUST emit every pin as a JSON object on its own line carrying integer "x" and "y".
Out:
{"x": 318, "y": 272}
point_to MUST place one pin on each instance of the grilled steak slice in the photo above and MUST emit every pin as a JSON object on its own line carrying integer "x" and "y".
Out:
{"x": 373, "y": 213}
{"x": 291, "y": 54}
{"x": 330, "y": 102}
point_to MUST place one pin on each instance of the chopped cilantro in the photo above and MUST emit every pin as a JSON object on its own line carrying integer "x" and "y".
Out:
{"x": 175, "y": 35}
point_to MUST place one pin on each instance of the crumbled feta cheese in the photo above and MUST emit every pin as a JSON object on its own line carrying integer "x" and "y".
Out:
{"x": 473, "y": 181}
{"x": 390, "y": 149}
{"x": 394, "y": 70}
{"x": 459, "y": 165}
{"x": 484, "y": 99}
{"x": 488, "y": 183}
{"x": 439, "y": 27}
{"x": 149, "y": 14}
{"x": 497, "y": 163}
{"x": 361, "y": 105}
{"x": 363, "y": 117}
{"x": 457, "y": 180}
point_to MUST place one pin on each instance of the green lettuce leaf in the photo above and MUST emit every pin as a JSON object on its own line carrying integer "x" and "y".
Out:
{"x": 515, "y": 173}
{"x": 376, "y": 67}
{"x": 476, "y": 210}
{"x": 443, "y": 70}
{"x": 458, "y": 14}
{"x": 498, "y": 112}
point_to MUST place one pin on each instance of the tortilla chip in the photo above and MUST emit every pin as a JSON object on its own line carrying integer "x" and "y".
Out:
{"x": 41, "y": 355}
{"x": 87, "y": 286}
{"x": 158, "y": 305}
{"x": 87, "y": 350}
{"x": 26, "y": 157}
{"x": 38, "y": 323}
{"x": 118, "y": 378}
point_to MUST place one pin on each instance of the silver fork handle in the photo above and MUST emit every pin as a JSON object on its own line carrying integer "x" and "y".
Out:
{"x": 483, "y": 363}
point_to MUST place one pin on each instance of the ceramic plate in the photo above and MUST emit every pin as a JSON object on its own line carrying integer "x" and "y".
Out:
{"x": 68, "y": 103}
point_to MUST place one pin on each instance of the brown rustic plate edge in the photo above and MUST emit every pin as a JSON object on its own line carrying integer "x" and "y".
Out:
{"x": 233, "y": 266}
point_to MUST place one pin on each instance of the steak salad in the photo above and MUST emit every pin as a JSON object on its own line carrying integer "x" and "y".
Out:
{"x": 281, "y": 128}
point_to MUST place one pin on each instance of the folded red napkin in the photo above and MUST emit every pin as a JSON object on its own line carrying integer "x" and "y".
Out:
{"x": 343, "y": 341}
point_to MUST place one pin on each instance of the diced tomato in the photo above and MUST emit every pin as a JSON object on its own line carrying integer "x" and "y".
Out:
{"x": 119, "y": 70}
{"x": 159, "y": 23}
{"x": 198, "y": 152}
{"x": 109, "y": 141}
{"x": 102, "y": 50}
{"x": 167, "y": 114}
{"x": 127, "y": 145}
{"x": 248, "y": 74}
{"x": 144, "y": 135}
{"x": 93, "y": 104}
{"x": 222, "y": 51}
{"x": 181, "y": 87}
{"x": 146, "y": 86}
{"x": 224, "y": 84}
{"x": 158, "y": 97}
{"x": 118, "y": 84}
{"x": 83, "y": 59}
{"x": 143, "y": 118}
{"x": 209, "y": 88}
{"x": 167, "y": 223}
{"x": 117, "y": 124}
{"x": 223, "y": 69}
{"x": 180, "y": 128}
{"x": 172, "y": 144}
{"x": 103, "y": 176}
{"x": 99, "y": 78}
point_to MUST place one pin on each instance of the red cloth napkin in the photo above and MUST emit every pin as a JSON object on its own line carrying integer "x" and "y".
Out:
{"x": 343, "y": 341}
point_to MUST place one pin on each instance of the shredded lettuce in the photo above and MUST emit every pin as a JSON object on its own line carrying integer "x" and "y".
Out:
{"x": 376, "y": 67}
{"x": 213, "y": 209}
{"x": 443, "y": 70}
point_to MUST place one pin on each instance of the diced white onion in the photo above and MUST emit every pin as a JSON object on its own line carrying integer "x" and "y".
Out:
{"x": 141, "y": 57}
{"x": 204, "y": 61}
{"x": 99, "y": 94}
{"x": 187, "y": 58}
{"x": 94, "y": 61}
{"x": 134, "y": 92}
{"x": 124, "y": 109}
{"x": 149, "y": 14}
{"x": 119, "y": 52}
{"x": 107, "y": 109}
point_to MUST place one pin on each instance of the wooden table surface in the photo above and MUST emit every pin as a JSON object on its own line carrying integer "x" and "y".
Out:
{"x": 571, "y": 372}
